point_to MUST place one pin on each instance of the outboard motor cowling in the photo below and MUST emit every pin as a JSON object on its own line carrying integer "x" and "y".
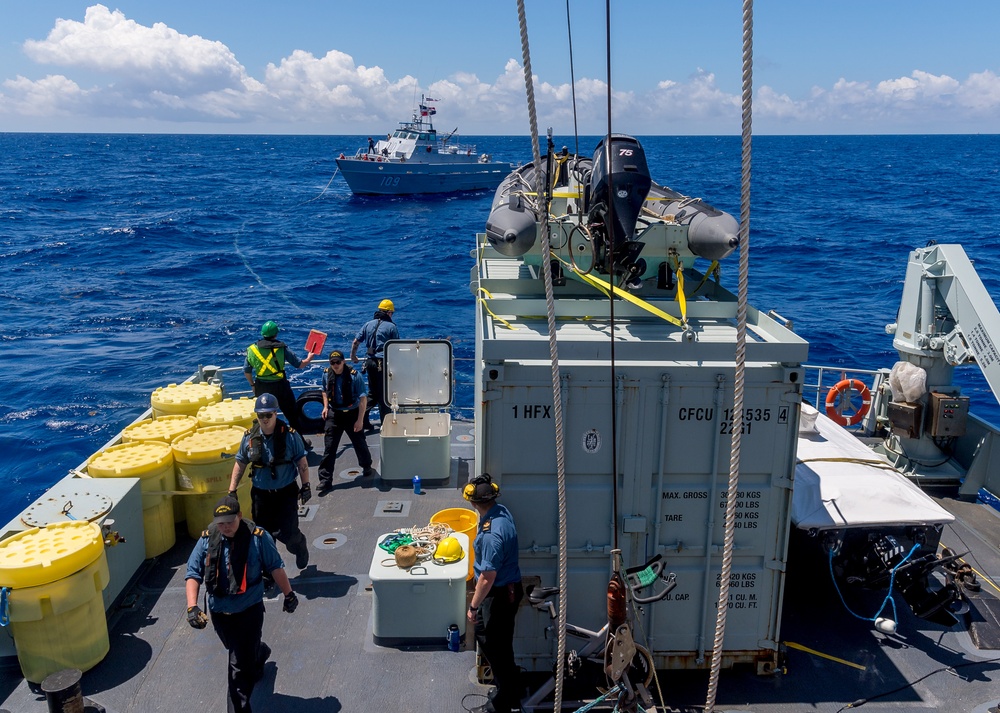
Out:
{"x": 628, "y": 175}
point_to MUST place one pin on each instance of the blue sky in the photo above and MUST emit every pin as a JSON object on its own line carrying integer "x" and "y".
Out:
{"x": 339, "y": 67}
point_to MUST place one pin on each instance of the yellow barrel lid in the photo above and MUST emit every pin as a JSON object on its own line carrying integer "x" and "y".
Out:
{"x": 136, "y": 459}
{"x": 164, "y": 428}
{"x": 207, "y": 444}
{"x": 227, "y": 412}
{"x": 42, "y": 555}
{"x": 186, "y": 396}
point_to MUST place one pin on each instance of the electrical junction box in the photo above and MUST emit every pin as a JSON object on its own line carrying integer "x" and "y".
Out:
{"x": 947, "y": 415}
{"x": 418, "y": 603}
{"x": 904, "y": 418}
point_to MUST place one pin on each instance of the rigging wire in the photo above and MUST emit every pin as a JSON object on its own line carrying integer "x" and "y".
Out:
{"x": 611, "y": 279}
{"x": 741, "y": 326}
{"x": 572, "y": 83}
{"x": 550, "y": 315}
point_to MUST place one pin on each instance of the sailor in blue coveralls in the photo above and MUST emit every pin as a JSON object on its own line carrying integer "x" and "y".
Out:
{"x": 231, "y": 557}
{"x": 498, "y": 591}
{"x": 374, "y": 334}
{"x": 276, "y": 455}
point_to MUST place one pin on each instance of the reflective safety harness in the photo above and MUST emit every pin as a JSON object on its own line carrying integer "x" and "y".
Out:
{"x": 272, "y": 366}
{"x": 239, "y": 554}
{"x": 256, "y": 447}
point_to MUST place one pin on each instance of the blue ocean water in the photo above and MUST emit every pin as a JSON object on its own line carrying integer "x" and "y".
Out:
{"x": 126, "y": 260}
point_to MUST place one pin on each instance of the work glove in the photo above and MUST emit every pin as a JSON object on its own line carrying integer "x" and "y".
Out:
{"x": 291, "y": 602}
{"x": 197, "y": 618}
{"x": 232, "y": 493}
{"x": 305, "y": 494}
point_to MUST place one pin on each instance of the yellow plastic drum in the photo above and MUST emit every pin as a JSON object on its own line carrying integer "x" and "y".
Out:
{"x": 56, "y": 575}
{"x": 153, "y": 463}
{"x": 205, "y": 461}
{"x": 184, "y": 398}
{"x": 163, "y": 428}
{"x": 166, "y": 429}
{"x": 228, "y": 412}
{"x": 460, "y": 520}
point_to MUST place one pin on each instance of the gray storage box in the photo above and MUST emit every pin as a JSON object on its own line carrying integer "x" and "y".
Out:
{"x": 416, "y": 438}
{"x": 418, "y": 603}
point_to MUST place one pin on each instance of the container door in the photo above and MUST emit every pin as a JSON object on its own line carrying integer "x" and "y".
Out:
{"x": 418, "y": 373}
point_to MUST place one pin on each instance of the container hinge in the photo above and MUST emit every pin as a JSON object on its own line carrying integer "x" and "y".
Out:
{"x": 767, "y": 644}
{"x": 791, "y": 397}
{"x": 775, "y": 564}
{"x": 785, "y": 483}
{"x": 491, "y": 395}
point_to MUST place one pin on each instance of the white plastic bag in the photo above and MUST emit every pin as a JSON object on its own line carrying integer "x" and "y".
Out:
{"x": 907, "y": 381}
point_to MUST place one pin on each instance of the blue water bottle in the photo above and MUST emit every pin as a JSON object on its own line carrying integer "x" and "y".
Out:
{"x": 453, "y": 637}
{"x": 416, "y": 485}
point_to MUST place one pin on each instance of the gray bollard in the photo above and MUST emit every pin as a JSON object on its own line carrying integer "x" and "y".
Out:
{"x": 62, "y": 691}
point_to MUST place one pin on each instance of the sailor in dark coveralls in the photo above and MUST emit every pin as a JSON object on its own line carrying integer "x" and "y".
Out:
{"x": 498, "y": 591}
{"x": 231, "y": 557}
{"x": 275, "y": 454}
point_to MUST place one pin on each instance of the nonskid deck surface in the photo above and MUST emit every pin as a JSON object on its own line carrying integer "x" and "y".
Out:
{"x": 325, "y": 659}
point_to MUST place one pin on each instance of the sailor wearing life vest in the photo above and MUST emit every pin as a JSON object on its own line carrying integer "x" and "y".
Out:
{"x": 344, "y": 402}
{"x": 231, "y": 557}
{"x": 275, "y": 454}
{"x": 264, "y": 369}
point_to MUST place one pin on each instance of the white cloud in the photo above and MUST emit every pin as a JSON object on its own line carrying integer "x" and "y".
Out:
{"x": 155, "y": 57}
{"x": 156, "y": 74}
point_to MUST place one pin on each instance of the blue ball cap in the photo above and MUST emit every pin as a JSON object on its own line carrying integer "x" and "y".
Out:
{"x": 266, "y": 403}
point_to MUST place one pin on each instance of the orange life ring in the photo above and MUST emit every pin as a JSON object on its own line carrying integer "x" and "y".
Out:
{"x": 379, "y": 159}
{"x": 843, "y": 391}
{"x": 364, "y": 157}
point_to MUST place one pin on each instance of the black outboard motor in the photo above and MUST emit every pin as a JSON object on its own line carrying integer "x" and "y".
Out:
{"x": 627, "y": 176}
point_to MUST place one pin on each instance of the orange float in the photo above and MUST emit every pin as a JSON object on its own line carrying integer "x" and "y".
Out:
{"x": 842, "y": 391}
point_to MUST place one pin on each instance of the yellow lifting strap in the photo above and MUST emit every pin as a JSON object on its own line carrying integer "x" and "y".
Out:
{"x": 629, "y": 297}
{"x": 501, "y": 320}
{"x": 264, "y": 363}
{"x": 708, "y": 273}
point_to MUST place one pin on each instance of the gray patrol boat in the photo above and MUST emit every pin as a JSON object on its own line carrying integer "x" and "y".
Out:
{"x": 414, "y": 159}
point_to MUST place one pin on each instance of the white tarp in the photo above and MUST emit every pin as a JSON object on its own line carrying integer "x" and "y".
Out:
{"x": 840, "y": 483}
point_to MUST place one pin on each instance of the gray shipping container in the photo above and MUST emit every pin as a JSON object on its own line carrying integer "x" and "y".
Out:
{"x": 670, "y": 396}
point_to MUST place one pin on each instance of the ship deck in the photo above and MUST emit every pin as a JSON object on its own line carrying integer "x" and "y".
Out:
{"x": 325, "y": 658}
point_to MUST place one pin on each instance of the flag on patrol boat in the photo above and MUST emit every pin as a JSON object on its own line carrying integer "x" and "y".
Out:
{"x": 427, "y": 110}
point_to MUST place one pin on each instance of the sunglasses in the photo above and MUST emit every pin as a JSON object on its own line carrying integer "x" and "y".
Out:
{"x": 265, "y": 416}
{"x": 337, "y": 361}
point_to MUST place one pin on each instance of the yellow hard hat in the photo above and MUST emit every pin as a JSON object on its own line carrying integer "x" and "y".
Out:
{"x": 386, "y": 306}
{"x": 448, "y": 550}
